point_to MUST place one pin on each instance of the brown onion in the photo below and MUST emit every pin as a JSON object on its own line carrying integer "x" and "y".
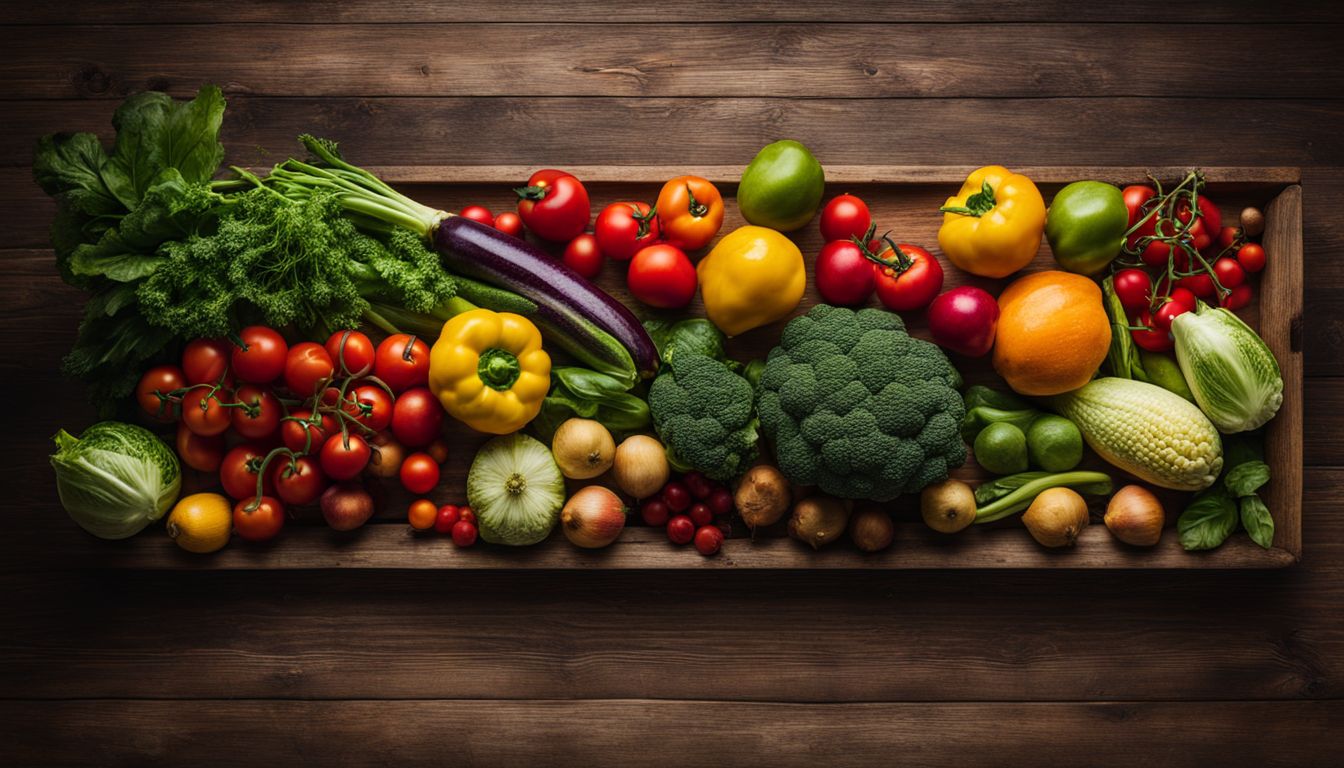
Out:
{"x": 593, "y": 517}
{"x": 583, "y": 449}
{"x": 640, "y": 467}
{"x": 385, "y": 461}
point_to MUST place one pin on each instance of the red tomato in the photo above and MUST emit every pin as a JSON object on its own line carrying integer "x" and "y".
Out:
{"x": 446, "y": 518}
{"x": 1199, "y": 284}
{"x": 205, "y": 361}
{"x": 584, "y": 256}
{"x": 622, "y": 229}
{"x": 1238, "y": 298}
{"x": 351, "y": 353}
{"x": 152, "y": 392}
{"x": 203, "y": 411}
{"x": 720, "y": 502}
{"x": 371, "y": 406}
{"x": 1166, "y": 313}
{"x": 1185, "y": 297}
{"x": 845, "y": 216}
{"x": 680, "y": 529}
{"x": 464, "y": 533}
{"x": 478, "y": 213}
{"x": 258, "y": 414}
{"x": 654, "y": 511}
{"x": 307, "y": 366}
{"x": 1149, "y": 337}
{"x": 295, "y": 430}
{"x": 238, "y": 472}
{"x": 261, "y": 358}
{"x": 554, "y": 204}
{"x": 964, "y": 320}
{"x": 1251, "y": 256}
{"x": 260, "y": 523}
{"x": 661, "y": 276}
{"x": 844, "y": 275}
{"x": 1212, "y": 219}
{"x": 1156, "y": 254}
{"x": 417, "y": 417}
{"x": 708, "y": 540}
{"x": 203, "y": 454}
{"x": 509, "y": 223}
{"x": 908, "y": 282}
{"x": 299, "y": 482}
{"x": 1227, "y": 237}
{"x": 1133, "y": 287}
{"x": 1229, "y": 272}
{"x": 464, "y": 513}
{"x": 1135, "y": 196}
{"x": 419, "y": 473}
{"x": 402, "y": 362}
{"x": 344, "y": 456}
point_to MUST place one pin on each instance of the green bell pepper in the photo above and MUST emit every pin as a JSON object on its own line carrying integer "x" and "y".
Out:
{"x": 1086, "y": 226}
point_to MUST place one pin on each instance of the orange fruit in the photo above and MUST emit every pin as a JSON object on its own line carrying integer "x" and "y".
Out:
{"x": 1053, "y": 333}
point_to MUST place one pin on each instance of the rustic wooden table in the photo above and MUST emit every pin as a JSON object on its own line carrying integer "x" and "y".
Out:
{"x": 619, "y": 669}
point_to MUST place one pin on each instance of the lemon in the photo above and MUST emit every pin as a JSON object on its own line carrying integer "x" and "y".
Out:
{"x": 201, "y": 522}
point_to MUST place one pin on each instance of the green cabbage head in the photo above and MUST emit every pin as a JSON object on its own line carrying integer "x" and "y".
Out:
{"x": 115, "y": 478}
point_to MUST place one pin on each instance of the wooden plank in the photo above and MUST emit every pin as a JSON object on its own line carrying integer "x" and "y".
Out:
{"x": 617, "y": 733}
{"x": 691, "y": 60}
{"x": 1282, "y": 332}
{"x": 615, "y": 11}
{"x": 568, "y": 131}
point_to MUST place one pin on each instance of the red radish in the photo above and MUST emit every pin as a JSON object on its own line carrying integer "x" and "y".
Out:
{"x": 964, "y": 320}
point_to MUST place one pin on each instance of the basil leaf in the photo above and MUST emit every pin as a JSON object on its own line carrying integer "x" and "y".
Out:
{"x": 1208, "y": 520}
{"x": 1245, "y": 479}
{"x": 1255, "y": 518}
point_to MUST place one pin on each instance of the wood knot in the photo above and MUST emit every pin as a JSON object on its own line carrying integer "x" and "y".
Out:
{"x": 91, "y": 78}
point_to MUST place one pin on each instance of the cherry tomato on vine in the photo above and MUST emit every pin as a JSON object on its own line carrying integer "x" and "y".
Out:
{"x": 509, "y": 223}
{"x": 351, "y": 353}
{"x": 1135, "y": 196}
{"x": 622, "y": 229}
{"x": 1199, "y": 284}
{"x": 1238, "y": 298}
{"x": 417, "y": 418}
{"x": 661, "y": 276}
{"x": 421, "y": 514}
{"x": 1156, "y": 254}
{"x": 402, "y": 362}
{"x": 1150, "y": 337}
{"x": 152, "y": 391}
{"x": 1185, "y": 297}
{"x": 419, "y": 473}
{"x": 261, "y": 358}
{"x": 844, "y": 275}
{"x": 1133, "y": 287}
{"x": 371, "y": 406}
{"x": 201, "y": 453}
{"x": 203, "y": 410}
{"x": 909, "y": 281}
{"x": 261, "y": 523}
{"x": 691, "y": 211}
{"x": 1251, "y": 256}
{"x": 1166, "y": 313}
{"x": 1229, "y": 272}
{"x": 554, "y": 205}
{"x": 299, "y": 482}
{"x": 295, "y": 429}
{"x": 206, "y": 361}
{"x": 344, "y": 456}
{"x": 238, "y": 472}
{"x": 1212, "y": 220}
{"x": 307, "y": 366}
{"x": 256, "y": 413}
{"x": 479, "y": 214}
{"x": 845, "y": 216}
{"x": 584, "y": 256}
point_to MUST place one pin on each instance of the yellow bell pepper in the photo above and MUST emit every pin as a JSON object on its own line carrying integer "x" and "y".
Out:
{"x": 489, "y": 371}
{"x": 753, "y": 277}
{"x": 993, "y": 226}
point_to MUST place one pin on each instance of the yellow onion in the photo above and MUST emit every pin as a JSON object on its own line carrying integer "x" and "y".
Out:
{"x": 593, "y": 517}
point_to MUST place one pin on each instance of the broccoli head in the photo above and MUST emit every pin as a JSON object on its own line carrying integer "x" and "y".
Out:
{"x": 703, "y": 413}
{"x": 858, "y": 408}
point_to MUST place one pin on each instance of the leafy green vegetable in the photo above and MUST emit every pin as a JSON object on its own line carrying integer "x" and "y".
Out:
{"x": 1255, "y": 518}
{"x": 1231, "y": 371}
{"x": 591, "y": 395}
{"x": 985, "y": 406}
{"x": 1209, "y": 519}
{"x": 115, "y": 478}
{"x": 1009, "y": 495}
{"x": 693, "y": 336}
{"x": 1246, "y": 478}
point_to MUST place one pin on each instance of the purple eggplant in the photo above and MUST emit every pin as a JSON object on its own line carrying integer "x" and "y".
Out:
{"x": 584, "y": 318}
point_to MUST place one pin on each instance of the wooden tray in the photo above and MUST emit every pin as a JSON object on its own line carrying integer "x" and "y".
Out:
{"x": 903, "y": 199}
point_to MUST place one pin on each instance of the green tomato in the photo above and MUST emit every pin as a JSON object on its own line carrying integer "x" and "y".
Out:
{"x": 1086, "y": 226}
{"x": 782, "y": 187}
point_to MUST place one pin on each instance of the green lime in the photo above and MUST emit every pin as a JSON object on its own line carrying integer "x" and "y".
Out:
{"x": 781, "y": 188}
{"x": 1055, "y": 444}
{"x": 1001, "y": 448}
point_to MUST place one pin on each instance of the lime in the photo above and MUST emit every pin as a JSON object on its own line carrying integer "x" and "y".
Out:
{"x": 1001, "y": 448}
{"x": 1055, "y": 444}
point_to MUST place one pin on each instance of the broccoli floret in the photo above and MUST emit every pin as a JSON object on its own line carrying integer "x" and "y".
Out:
{"x": 703, "y": 413}
{"x": 858, "y": 408}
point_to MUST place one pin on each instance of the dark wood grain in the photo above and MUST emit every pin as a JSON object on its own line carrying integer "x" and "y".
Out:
{"x": 652, "y": 733}
{"x": 685, "y": 60}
